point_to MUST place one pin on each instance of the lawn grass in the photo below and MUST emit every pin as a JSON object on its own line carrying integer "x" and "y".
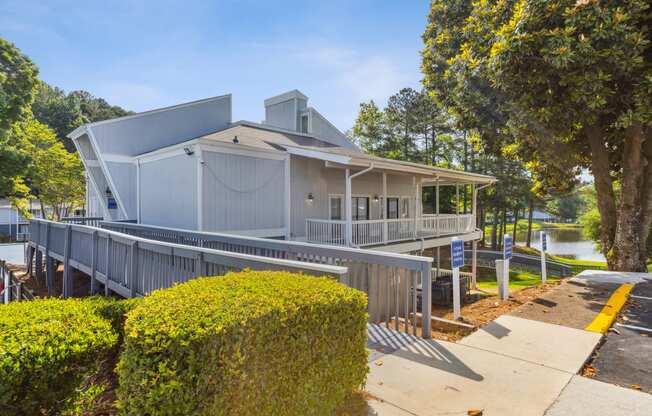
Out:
{"x": 522, "y": 226}
{"x": 517, "y": 279}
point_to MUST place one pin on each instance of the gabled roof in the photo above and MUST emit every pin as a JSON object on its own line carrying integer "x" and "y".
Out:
{"x": 264, "y": 137}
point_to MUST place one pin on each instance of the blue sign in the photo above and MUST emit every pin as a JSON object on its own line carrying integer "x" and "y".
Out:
{"x": 457, "y": 253}
{"x": 544, "y": 241}
{"x": 111, "y": 203}
{"x": 507, "y": 247}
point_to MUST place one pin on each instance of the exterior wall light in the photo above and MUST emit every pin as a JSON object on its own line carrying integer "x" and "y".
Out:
{"x": 310, "y": 199}
{"x": 376, "y": 198}
{"x": 189, "y": 151}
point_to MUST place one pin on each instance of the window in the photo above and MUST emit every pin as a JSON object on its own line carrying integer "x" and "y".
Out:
{"x": 405, "y": 207}
{"x": 360, "y": 206}
{"x": 392, "y": 208}
{"x": 335, "y": 207}
{"x": 304, "y": 124}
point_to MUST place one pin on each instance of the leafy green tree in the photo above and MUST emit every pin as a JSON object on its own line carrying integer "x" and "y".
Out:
{"x": 570, "y": 82}
{"x": 61, "y": 112}
{"x": 17, "y": 80}
{"x": 65, "y": 112}
{"x": 55, "y": 176}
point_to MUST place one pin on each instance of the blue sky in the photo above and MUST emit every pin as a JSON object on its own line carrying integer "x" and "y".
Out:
{"x": 148, "y": 54}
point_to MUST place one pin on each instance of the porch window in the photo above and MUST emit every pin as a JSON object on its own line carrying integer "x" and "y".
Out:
{"x": 405, "y": 207}
{"x": 392, "y": 208}
{"x": 335, "y": 208}
{"x": 360, "y": 205}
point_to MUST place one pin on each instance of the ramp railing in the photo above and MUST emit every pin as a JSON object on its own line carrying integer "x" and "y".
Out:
{"x": 134, "y": 266}
{"x": 392, "y": 282}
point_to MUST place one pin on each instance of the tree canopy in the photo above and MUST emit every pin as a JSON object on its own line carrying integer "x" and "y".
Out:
{"x": 65, "y": 112}
{"x": 562, "y": 85}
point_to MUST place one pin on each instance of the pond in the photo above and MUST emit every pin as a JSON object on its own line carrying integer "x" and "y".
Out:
{"x": 566, "y": 242}
{"x": 13, "y": 253}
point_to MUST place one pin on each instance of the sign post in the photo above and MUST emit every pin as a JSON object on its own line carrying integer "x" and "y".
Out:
{"x": 507, "y": 255}
{"x": 544, "y": 247}
{"x": 457, "y": 261}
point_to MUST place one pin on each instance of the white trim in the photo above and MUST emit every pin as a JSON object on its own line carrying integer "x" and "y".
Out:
{"x": 200, "y": 188}
{"x": 315, "y": 154}
{"x": 242, "y": 150}
{"x": 288, "y": 198}
{"x": 138, "y": 191}
{"x": 101, "y": 200}
{"x": 75, "y": 132}
{"x": 105, "y": 171}
{"x": 166, "y": 152}
{"x": 286, "y": 96}
{"x": 116, "y": 158}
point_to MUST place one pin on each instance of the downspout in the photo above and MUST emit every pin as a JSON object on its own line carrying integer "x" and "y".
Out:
{"x": 349, "y": 219}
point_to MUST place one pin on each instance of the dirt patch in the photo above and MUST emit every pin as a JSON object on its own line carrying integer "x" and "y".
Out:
{"x": 481, "y": 309}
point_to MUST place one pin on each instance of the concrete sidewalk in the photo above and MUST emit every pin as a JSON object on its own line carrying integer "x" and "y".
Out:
{"x": 524, "y": 363}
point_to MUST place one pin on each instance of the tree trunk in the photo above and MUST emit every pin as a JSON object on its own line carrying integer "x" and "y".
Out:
{"x": 646, "y": 197}
{"x": 606, "y": 198}
{"x": 528, "y": 241}
{"x": 628, "y": 241}
{"x": 503, "y": 228}
{"x": 494, "y": 228}
{"x": 515, "y": 229}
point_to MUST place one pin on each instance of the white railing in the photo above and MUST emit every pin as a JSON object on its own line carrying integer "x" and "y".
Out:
{"x": 400, "y": 229}
{"x": 374, "y": 232}
{"x": 326, "y": 232}
{"x": 446, "y": 224}
{"x": 368, "y": 232}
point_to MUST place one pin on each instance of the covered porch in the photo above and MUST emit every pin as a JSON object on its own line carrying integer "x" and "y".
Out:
{"x": 431, "y": 203}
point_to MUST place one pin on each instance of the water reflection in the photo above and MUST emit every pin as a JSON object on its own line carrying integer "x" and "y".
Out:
{"x": 569, "y": 241}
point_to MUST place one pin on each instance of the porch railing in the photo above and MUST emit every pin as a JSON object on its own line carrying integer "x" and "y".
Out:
{"x": 375, "y": 232}
{"x": 391, "y": 281}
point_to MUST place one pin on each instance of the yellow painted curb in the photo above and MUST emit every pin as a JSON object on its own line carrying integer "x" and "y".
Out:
{"x": 607, "y": 315}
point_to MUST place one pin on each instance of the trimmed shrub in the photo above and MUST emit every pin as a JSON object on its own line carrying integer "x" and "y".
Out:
{"x": 47, "y": 348}
{"x": 268, "y": 343}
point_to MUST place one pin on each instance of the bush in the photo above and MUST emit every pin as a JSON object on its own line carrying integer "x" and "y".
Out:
{"x": 47, "y": 349}
{"x": 268, "y": 343}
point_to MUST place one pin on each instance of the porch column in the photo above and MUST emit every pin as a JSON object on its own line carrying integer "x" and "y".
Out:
{"x": 348, "y": 211}
{"x": 288, "y": 200}
{"x": 416, "y": 203}
{"x": 474, "y": 264}
{"x": 383, "y": 208}
{"x": 474, "y": 210}
{"x": 437, "y": 208}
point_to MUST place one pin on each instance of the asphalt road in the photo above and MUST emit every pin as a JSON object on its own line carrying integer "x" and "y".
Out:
{"x": 625, "y": 358}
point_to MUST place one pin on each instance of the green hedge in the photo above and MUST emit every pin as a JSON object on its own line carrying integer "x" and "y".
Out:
{"x": 49, "y": 347}
{"x": 268, "y": 343}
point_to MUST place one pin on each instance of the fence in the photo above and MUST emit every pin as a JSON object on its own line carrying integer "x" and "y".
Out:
{"x": 11, "y": 287}
{"x": 487, "y": 258}
{"x": 392, "y": 282}
{"x": 133, "y": 266}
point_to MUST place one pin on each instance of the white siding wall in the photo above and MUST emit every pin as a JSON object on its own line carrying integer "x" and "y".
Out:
{"x": 242, "y": 192}
{"x": 311, "y": 176}
{"x": 124, "y": 178}
{"x": 283, "y": 115}
{"x": 168, "y": 192}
